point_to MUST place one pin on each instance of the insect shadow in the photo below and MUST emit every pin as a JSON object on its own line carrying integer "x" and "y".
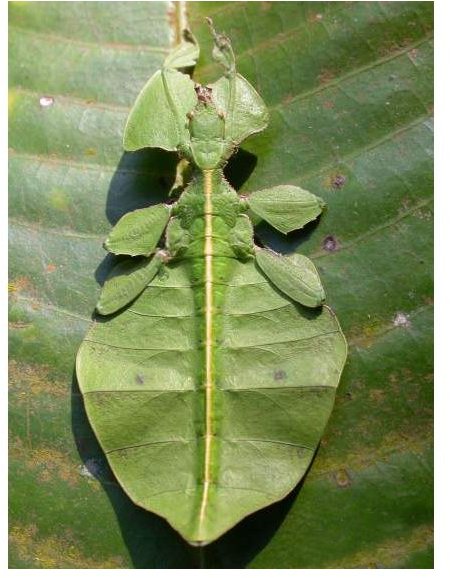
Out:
{"x": 150, "y": 541}
{"x": 269, "y": 237}
{"x": 141, "y": 179}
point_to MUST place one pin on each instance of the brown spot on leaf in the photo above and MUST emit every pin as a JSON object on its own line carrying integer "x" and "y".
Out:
{"x": 331, "y": 244}
{"x": 287, "y": 98}
{"x": 50, "y": 268}
{"x": 328, "y": 104}
{"x": 139, "y": 379}
{"x": 315, "y": 17}
{"x": 325, "y": 76}
{"x": 342, "y": 478}
{"x": 376, "y": 395}
{"x": 279, "y": 375}
{"x": 338, "y": 181}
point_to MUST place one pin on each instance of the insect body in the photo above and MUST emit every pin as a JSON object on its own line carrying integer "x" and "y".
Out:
{"x": 211, "y": 371}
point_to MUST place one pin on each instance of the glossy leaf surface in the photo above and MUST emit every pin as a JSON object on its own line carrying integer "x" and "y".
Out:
{"x": 367, "y": 500}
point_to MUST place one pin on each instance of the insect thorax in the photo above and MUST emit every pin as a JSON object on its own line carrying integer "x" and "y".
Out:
{"x": 208, "y": 146}
{"x": 232, "y": 230}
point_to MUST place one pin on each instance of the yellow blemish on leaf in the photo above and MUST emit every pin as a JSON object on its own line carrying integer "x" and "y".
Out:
{"x": 12, "y": 98}
{"x": 59, "y": 200}
{"x": 48, "y": 463}
{"x": 363, "y": 456}
{"x": 34, "y": 379}
{"x": 61, "y": 551}
{"x": 390, "y": 553}
{"x": 19, "y": 4}
{"x": 18, "y": 325}
{"x": 18, "y": 284}
{"x": 365, "y": 336}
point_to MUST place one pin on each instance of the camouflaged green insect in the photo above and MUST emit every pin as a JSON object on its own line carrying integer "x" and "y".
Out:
{"x": 211, "y": 373}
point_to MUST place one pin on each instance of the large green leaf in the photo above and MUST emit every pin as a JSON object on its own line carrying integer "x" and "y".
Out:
{"x": 350, "y": 93}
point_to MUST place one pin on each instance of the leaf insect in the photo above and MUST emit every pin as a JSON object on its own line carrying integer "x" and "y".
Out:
{"x": 210, "y": 372}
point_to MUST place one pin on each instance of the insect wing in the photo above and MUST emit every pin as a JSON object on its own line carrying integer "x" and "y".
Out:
{"x": 158, "y": 117}
{"x": 244, "y": 110}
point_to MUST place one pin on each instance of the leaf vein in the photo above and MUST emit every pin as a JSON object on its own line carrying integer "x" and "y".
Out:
{"x": 146, "y": 444}
{"x": 359, "y": 151}
{"x": 37, "y": 227}
{"x": 75, "y": 163}
{"x": 354, "y": 72}
{"x": 374, "y": 231}
{"x": 261, "y": 345}
{"x": 50, "y": 306}
{"x": 88, "y": 45}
